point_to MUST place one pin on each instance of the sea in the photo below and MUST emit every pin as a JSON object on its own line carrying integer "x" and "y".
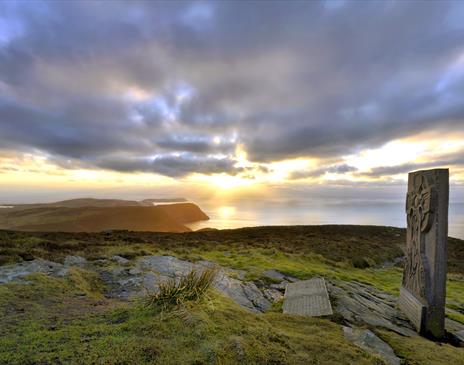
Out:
{"x": 261, "y": 213}
{"x": 252, "y": 213}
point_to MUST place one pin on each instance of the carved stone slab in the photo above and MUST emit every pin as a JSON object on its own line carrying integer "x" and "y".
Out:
{"x": 413, "y": 309}
{"x": 307, "y": 298}
{"x": 422, "y": 295}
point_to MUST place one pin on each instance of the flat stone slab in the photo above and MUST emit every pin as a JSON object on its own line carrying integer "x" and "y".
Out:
{"x": 412, "y": 307}
{"x": 307, "y": 298}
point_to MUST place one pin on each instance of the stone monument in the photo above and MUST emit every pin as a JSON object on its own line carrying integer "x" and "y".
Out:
{"x": 423, "y": 290}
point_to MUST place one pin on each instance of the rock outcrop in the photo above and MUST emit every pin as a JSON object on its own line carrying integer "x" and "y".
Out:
{"x": 18, "y": 272}
{"x": 362, "y": 304}
{"x": 358, "y": 304}
{"x": 368, "y": 341}
{"x": 150, "y": 271}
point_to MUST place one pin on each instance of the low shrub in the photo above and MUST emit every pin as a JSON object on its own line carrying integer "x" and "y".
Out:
{"x": 362, "y": 262}
{"x": 174, "y": 293}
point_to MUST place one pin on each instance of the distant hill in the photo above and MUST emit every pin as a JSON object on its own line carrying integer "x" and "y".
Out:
{"x": 154, "y": 201}
{"x": 94, "y": 215}
{"x": 92, "y": 202}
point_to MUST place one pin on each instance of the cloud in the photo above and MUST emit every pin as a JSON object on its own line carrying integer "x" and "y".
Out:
{"x": 195, "y": 143}
{"x": 113, "y": 86}
{"x": 314, "y": 173}
{"x": 444, "y": 161}
{"x": 172, "y": 165}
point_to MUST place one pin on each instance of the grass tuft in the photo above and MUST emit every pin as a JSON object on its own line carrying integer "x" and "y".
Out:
{"x": 176, "y": 293}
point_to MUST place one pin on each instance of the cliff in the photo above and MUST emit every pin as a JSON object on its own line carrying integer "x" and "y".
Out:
{"x": 95, "y": 218}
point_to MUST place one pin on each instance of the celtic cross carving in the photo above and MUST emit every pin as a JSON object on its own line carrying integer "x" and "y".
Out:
{"x": 419, "y": 211}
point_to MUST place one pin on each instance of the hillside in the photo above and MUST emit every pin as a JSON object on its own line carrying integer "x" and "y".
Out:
{"x": 75, "y": 298}
{"x": 94, "y": 215}
{"x": 93, "y": 202}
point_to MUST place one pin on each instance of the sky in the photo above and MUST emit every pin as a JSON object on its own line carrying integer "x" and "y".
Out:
{"x": 213, "y": 99}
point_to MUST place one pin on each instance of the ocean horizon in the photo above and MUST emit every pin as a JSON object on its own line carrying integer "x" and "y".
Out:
{"x": 238, "y": 214}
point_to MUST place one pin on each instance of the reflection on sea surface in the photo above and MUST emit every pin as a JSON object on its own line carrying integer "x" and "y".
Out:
{"x": 247, "y": 214}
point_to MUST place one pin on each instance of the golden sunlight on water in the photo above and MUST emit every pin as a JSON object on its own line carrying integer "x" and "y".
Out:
{"x": 226, "y": 211}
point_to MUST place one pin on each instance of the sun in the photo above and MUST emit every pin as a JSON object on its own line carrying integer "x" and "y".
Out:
{"x": 228, "y": 182}
{"x": 224, "y": 182}
{"x": 226, "y": 211}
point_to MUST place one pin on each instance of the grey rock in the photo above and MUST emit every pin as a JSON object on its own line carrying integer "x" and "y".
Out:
{"x": 239, "y": 274}
{"x": 278, "y": 276}
{"x": 152, "y": 281}
{"x": 135, "y": 271}
{"x": 117, "y": 271}
{"x": 10, "y": 273}
{"x": 120, "y": 260}
{"x": 362, "y": 304}
{"x": 165, "y": 265}
{"x": 256, "y": 297}
{"x": 273, "y": 295}
{"x": 456, "y": 329}
{"x": 274, "y": 275}
{"x": 369, "y": 342}
{"x": 245, "y": 294}
{"x": 460, "y": 336}
{"x": 120, "y": 284}
{"x": 281, "y": 286}
{"x": 100, "y": 262}
{"x": 74, "y": 261}
{"x": 150, "y": 271}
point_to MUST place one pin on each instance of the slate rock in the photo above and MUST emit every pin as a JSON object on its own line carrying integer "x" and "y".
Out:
{"x": 100, "y": 262}
{"x": 278, "y": 276}
{"x": 165, "y": 265}
{"x": 120, "y": 283}
{"x": 120, "y": 260}
{"x": 280, "y": 287}
{"x": 74, "y": 261}
{"x": 456, "y": 329}
{"x": 368, "y": 341}
{"x": 273, "y": 295}
{"x": 150, "y": 271}
{"x": 362, "y": 304}
{"x": 10, "y": 273}
{"x": 246, "y": 294}
{"x": 238, "y": 274}
{"x": 274, "y": 275}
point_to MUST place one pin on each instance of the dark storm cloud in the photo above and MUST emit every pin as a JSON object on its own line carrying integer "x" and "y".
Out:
{"x": 194, "y": 143}
{"x": 172, "y": 165}
{"x": 113, "y": 84}
{"x": 446, "y": 161}
{"x": 335, "y": 169}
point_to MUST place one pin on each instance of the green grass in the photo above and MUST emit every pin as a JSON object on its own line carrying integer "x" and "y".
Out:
{"x": 419, "y": 351}
{"x": 68, "y": 320}
{"x": 335, "y": 243}
{"x": 174, "y": 293}
{"x": 256, "y": 261}
{"x": 46, "y": 331}
{"x": 217, "y": 332}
